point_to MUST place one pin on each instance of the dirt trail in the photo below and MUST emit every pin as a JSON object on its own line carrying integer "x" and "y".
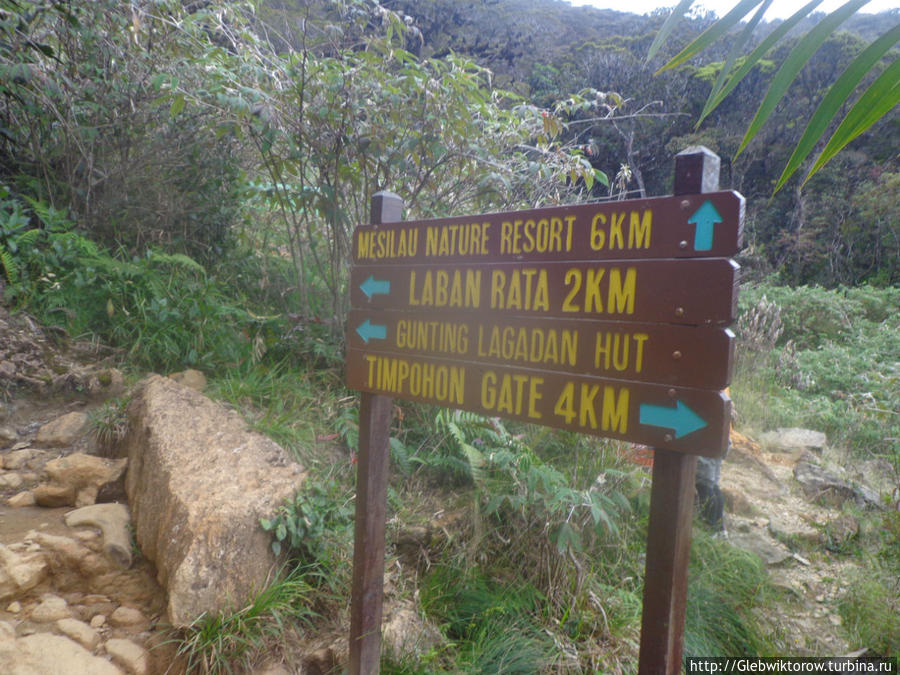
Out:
{"x": 768, "y": 513}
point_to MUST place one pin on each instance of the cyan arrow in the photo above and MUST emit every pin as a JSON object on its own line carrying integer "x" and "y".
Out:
{"x": 681, "y": 418}
{"x": 371, "y": 331}
{"x": 705, "y": 219}
{"x": 371, "y": 287}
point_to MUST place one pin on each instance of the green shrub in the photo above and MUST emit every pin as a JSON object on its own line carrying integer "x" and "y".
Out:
{"x": 831, "y": 365}
{"x": 312, "y": 526}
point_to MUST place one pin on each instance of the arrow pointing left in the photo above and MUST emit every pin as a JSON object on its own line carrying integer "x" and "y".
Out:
{"x": 371, "y": 331}
{"x": 705, "y": 218}
{"x": 681, "y": 418}
{"x": 373, "y": 286}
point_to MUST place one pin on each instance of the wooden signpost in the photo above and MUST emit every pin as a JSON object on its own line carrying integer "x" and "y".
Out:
{"x": 606, "y": 319}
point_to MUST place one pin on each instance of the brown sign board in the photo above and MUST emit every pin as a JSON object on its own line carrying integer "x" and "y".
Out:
{"x": 688, "y": 226}
{"x": 693, "y": 421}
{"x": 691, "y": 291}
{"x": 688, "y": 356}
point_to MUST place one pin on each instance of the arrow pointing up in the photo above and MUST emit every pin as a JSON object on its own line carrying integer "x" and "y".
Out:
{"x": 372, "y": 286}
{"x": 705, "y": 219}
{"x": 681, "y": 418}
{"x": 371, "y": 331}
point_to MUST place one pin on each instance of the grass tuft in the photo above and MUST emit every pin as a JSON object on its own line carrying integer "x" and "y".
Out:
{"x": 233, "y": 641}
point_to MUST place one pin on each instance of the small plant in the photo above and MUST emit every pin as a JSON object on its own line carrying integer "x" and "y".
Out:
{"x": 109, "y": 423}
{"x": 305, "y": 526}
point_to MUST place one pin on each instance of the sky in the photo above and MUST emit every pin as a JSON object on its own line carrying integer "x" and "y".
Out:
{"x": 780, "y": 9}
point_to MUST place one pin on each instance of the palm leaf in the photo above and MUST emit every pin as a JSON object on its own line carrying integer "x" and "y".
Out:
{"x": 736, "y": 48}
{"x": 667, "y": 27}
{"x": 711, "y": 34}
{"x": 835, "y": 98}
{"x": 715, "y": 98}
{"x": 798, "y": 58}
{"x": 877, "y": 101}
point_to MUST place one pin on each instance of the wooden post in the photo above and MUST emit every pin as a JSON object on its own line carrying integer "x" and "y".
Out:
{"x": 672, "y": 498}
{"x": 371, "y": 497}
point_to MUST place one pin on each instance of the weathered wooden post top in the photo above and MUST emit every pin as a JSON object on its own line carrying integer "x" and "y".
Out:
{"x": 608, "y": 319}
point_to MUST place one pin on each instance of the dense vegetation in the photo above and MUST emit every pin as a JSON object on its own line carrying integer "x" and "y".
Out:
{"x": 180, "y": 180}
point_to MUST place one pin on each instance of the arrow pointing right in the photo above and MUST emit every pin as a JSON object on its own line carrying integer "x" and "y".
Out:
{"x": 371, "y": 331}
{"x": 373, "y": 286}
{"x": 681, "y": 418}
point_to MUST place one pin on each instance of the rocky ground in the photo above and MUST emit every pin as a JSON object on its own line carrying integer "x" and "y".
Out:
{"x": 789, "y": 500}
{"x": 76, "y": 596}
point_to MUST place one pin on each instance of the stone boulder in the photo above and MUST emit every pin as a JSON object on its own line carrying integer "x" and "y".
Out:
{"x": 794, "y": 439}
{"x": 76, "y": 479}
{"x": 198, "y": 482}
{"x": 820, "y": 485}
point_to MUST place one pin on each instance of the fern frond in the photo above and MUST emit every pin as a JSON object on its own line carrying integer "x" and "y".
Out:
{"x": 28, "y": 238}
{"x": 178, "y": 260}
{"x": 10, "y": 268}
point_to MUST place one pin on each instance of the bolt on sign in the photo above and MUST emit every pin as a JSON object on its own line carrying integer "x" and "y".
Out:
{"x": 606, "y": 319}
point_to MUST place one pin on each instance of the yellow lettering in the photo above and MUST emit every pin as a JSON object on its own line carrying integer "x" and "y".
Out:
{"x": 498, "y": 283}
{"x": 570, "y": 220}
{"x": 534, "y": 395}
{"x": 639, "y": 229}
{"x": 432, "y": 234}
{"x": 615, "y": 410}
{"x": 640, "y": 338}
{"x": 564, "y": 406}
{"x": 586, "y": 414}
{"x": 435, "y": 382}
{"x": 615, "y": 230}
{"x": 621, "y": 298}
{"x": 363, "y": 244}
{"x": 598, "y": 235}
{"x": 506, "y": 237}
{"x": 370, "y": 379}
{"x": 569, "y": 351}
{"x": 573, "y": 279}
{"x": 488, "y": 391}
{"x": 593, "y": 299}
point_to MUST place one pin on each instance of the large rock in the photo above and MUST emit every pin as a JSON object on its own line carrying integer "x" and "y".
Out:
{"x": 793, "y": 438}
{"x": 62, "y": 431}
{"x": 198, "y": 482}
